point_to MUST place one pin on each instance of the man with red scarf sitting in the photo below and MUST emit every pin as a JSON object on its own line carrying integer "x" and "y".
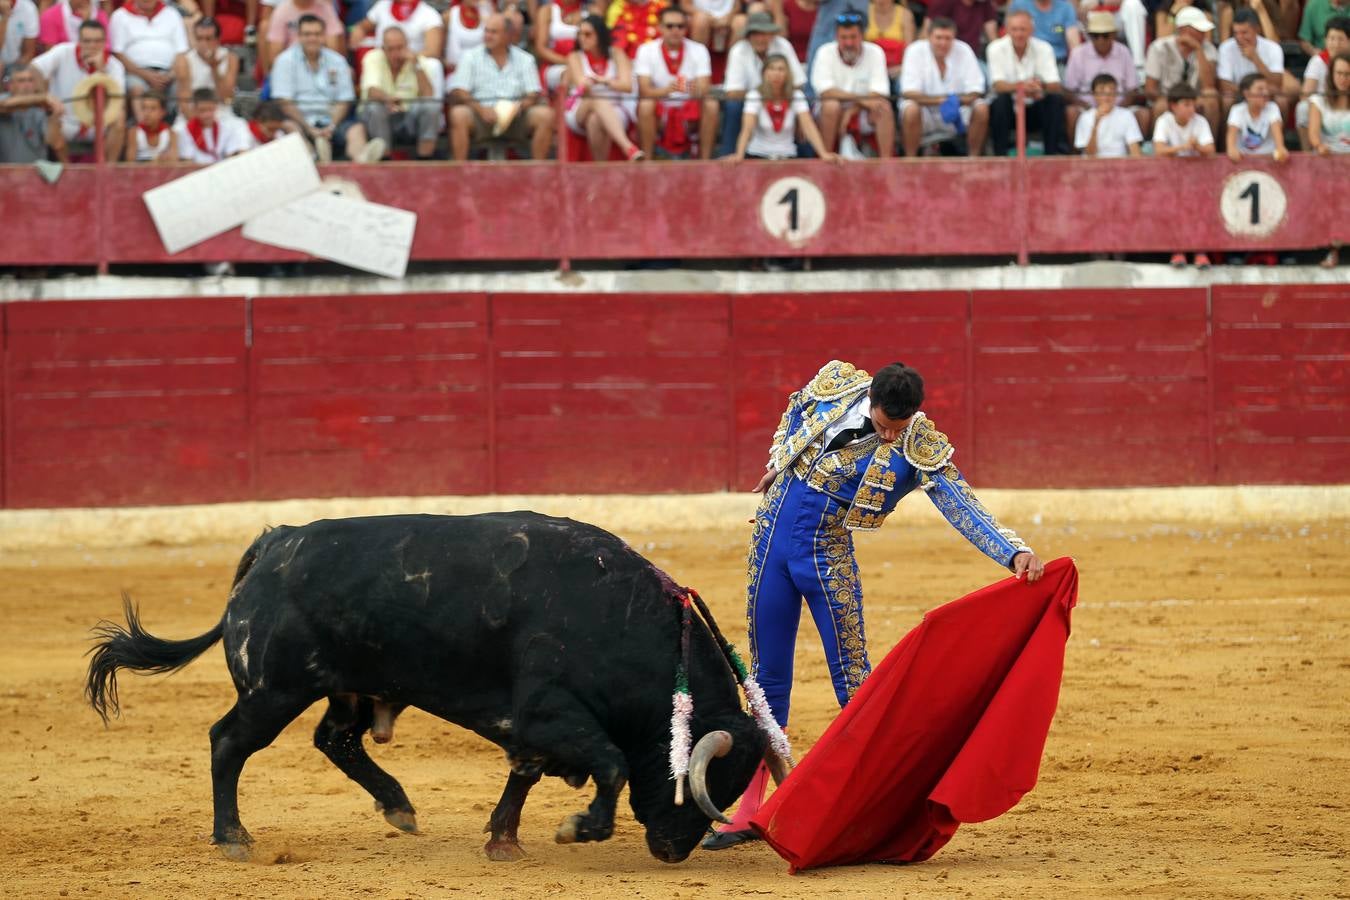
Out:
{"x": 147, "y": 37}
{"x": 673, "y": 76}
{"x": 204, "y": 137}
{"x": 65, "y": 66}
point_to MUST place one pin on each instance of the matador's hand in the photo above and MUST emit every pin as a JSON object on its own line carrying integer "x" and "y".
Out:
{"x": 1027, "y": 564}
{"x": 764, "y": 482}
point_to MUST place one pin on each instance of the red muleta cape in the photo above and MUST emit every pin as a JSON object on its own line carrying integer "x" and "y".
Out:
{"x": 948, "y": 729}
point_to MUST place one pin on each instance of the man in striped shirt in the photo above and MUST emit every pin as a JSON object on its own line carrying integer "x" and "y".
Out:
{"x": 493, "y": 93}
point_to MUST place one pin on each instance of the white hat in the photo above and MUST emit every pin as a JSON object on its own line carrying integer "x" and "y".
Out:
{"x": 1190, "y": 17}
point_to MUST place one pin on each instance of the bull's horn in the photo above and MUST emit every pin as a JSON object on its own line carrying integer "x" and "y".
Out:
{"x": 714, "y": 743}
{"x": 778, "y": 767}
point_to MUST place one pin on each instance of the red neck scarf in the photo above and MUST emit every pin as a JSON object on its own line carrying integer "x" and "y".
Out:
{"x": 777, "y": 110}
{"x": 130, "y": 7}
{"x": 79, "y": 60}
{"x": 468, "y": 15}
{"x": 402, "y": 9}
{"x": 599, "y": 64}
{"x": 258, "y": 134}
{"x": 153, "y": 132}
{"x": 1325, "y": 56}
{"x": 194, "y": 127}
{"x": 673, "y": 60}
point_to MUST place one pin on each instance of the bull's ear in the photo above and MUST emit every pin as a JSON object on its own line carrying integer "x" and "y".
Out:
{"x": 511, "y": 553}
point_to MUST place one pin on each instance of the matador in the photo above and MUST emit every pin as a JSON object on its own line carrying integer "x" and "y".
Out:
{"x": 848, "y": 448}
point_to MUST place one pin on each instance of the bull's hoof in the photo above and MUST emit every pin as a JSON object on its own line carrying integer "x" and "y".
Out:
{"x": 578, "y": 829}
{"x": 503, "y": 850}
{"x": 237, "y": 852}
{"x": 568, "y": 831}
{"x": 402, "y": 819}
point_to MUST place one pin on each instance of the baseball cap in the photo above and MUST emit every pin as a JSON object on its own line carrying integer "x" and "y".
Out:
{"x": 1190, "y": 17}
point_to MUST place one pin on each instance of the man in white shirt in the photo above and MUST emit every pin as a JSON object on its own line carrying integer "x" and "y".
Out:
{"x": 1016, "y": 59}
{"x": 207, "y": 65}
{"x": 673, "y": 75}
{"x": 745, "y": 70}
{"x": 1247, "y": 52}
{"x": 147, "y": 36}
{"x": 65, "y": 66}
{"x": 19, "y": 24}
{"x": 1184, "y": 57}
{"x": 942, "y": 91}
{"x": 850, "y": 79}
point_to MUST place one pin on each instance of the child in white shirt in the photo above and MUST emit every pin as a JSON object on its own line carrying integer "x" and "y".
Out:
{"x": 1107, "y": 131}
{"x": 1180, "y": 132}
{"x": 1255, "y": 126}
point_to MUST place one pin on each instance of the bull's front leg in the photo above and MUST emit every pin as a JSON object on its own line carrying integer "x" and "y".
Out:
{"x": 504, "y": 845}
{"x": 610, "y": 772}
{"x": 554, "y": 726}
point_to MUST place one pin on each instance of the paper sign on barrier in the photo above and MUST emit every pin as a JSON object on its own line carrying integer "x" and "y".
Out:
{"x": 367, "y": 236}
{"x": 209, "y": 201}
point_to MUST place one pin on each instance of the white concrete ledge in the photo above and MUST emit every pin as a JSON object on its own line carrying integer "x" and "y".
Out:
{"x": 623, "y": 514}
{"x": 1087, "y": 275}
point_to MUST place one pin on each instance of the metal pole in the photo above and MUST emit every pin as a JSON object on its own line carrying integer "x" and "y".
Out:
{"x": 1020, "y": 104}
{"x": 100, "y": 152}
{"x": 564, "y": 262}
{"x": 99, "y": 99}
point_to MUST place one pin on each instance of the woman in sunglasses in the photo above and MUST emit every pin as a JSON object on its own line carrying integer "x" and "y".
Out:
{"x": 601, "y": 104}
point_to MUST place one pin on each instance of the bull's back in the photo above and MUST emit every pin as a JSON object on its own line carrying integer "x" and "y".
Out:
{"x": 408, "y": 604}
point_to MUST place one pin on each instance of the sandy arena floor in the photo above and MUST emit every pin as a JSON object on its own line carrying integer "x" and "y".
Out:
{"x": 1202, "y": 745}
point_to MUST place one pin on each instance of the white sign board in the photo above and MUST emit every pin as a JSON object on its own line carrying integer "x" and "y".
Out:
{"x": 1252, "y": 204}
{"x": 225, "y": 195}
{"x": 792, "y": 210}
{"x": 367, "y": 236}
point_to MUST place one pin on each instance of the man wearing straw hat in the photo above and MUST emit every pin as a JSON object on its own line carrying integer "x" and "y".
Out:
{"x": 72, "y": 72}
{"x": 1102, "y": 54}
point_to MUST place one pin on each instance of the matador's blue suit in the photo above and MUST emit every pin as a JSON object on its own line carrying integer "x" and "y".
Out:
{"x": 802, "y": 545}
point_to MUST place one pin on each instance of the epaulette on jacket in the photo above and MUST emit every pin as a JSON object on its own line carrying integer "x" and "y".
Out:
{"x": 835, "y": 379}
{"x": 926, "y": 448}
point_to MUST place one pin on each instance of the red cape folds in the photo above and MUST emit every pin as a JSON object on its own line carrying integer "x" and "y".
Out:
{"x": 948, "y": 729}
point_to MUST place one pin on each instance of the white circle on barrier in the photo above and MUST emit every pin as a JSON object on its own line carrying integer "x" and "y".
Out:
{"x": 1252, "y": 204}
{"x": 792, "y": 210}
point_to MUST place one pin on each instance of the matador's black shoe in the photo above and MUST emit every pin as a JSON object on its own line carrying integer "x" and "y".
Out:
{"x": 721, "y": 840}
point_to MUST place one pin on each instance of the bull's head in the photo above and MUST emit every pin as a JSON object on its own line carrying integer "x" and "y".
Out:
{"x": 727, "y": 751}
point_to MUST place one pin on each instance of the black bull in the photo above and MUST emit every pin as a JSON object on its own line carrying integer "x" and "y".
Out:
{"x": 551, "y": 638}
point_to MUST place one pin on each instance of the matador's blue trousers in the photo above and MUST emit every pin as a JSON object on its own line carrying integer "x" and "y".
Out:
{"x": 800, "y": 549}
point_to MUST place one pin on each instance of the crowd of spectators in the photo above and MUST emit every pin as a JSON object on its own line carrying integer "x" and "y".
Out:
{"x": 624, "y": 79}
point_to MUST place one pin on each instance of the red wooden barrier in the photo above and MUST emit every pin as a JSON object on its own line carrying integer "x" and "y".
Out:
{"x": 548, "y": 211}
{"x": 1097, "y": 387}
{"x": 371, "y": 395}
{"x": 611, "y": 393}
{"x": 191, "y": 400}
{"x": 781, "y": 340}
{"x": 1281, "y": 392}
{"x": 128, "y": 402}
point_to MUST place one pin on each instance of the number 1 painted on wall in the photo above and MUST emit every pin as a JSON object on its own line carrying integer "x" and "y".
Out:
{"x": 790, "y": 198}
{"x": 1254, "y": 191}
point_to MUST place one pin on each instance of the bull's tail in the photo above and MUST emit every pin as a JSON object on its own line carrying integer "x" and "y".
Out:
{"x": 135, "y": 648}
